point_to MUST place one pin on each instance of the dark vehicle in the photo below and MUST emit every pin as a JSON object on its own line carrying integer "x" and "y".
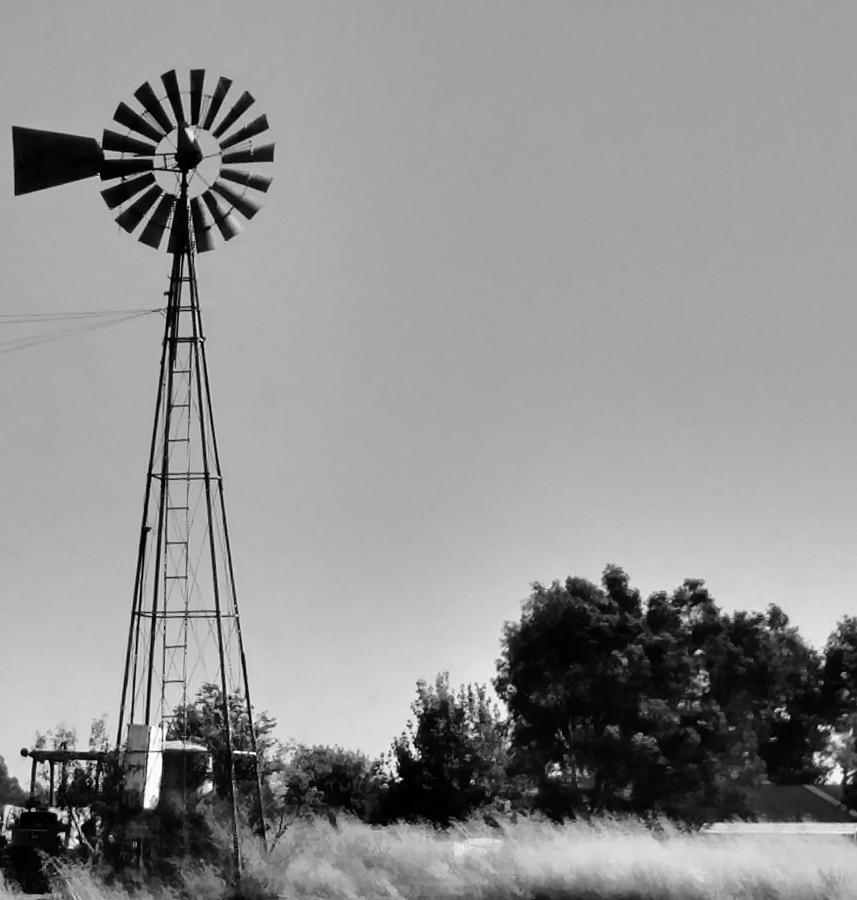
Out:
{"x": 32, "y": 839}
{"x": 37, "y": 829}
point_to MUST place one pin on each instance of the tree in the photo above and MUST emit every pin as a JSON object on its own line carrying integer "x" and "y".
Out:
{"x": 310, "y": 781}
{"x": 201, "y": 721}
{"x": 10, "y": 789}
{"x": 56, "y": 738}
{"x": 342, "y": 778}
{"x": 565, "y": 673}
{"x": 781, "y": 690}
{"x": 451, "y": 758}
{"x": 611, "y": 696}
{"x": 839, "y": 701}
{"x": 569, "y": 673}
{"x": 682, "y": 732}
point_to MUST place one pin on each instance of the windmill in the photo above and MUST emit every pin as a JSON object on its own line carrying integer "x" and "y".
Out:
{"x": 181, "y": 175}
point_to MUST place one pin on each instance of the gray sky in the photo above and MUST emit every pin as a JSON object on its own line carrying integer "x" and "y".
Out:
{"x": 538, "y": 287}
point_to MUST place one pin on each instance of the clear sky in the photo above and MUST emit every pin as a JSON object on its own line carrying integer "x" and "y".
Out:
{"x": 538, "y": 287}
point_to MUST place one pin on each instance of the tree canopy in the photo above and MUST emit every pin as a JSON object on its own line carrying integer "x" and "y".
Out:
{"x": 664, "y": 705}
{"x": 605, "y": 700}
{"x": 451, "y": 758}
{"x": 10, "y": 789}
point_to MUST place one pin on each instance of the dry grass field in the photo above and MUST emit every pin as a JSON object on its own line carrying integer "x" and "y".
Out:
{"x": 611, "y": 860}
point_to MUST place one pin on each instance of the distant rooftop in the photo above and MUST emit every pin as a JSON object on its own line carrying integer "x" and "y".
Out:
{"x": 799, "y": 803}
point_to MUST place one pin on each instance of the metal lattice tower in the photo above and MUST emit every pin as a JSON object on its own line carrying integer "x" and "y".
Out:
{"x": 172, "y": 174}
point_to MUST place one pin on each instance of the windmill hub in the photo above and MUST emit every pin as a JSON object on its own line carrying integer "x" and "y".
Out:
{"x": 189, "y": 153}
{"x": 197, "y": 156}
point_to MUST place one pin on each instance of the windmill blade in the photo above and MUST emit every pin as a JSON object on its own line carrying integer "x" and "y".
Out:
{"x": 153, "y": 233}
{"x": 226, "y": 223}
{"x": 257, "y": 182}
{"x": 126, "y": 116}
{"x": 197, "y": 79}
{"x": 242, "y": 104}
{"x": 149, "y": 101}
{"x": 125, "y": 190}
{"x": 245, "y": 206}
{"x": 122, "y": 143}
{"x": 203, "y": 238}
{"x": 217, "y": 98}
{"x": 46, "y": 159}
{"x": 119, "y": 168}
{"x": 265, "y": 153}
{"x": 171, "y": 84}
{"x": 132, "y": 216}
{"x": 257, "y": 126}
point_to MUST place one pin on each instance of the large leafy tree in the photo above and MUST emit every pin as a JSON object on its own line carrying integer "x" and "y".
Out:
{"x": 670, "y": 704}
{"x": 715, "y": 679}
{"x": 568, "y": 672}
{"x": 681, "y": 724}
{"x": 771, "y": 678}
{"x": 765, "y": 679}
{"x": 452, "y": 757}
{"x": 612, "y": 695}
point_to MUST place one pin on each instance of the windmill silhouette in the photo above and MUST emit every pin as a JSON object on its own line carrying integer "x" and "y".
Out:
{"x": 173, "y": 172}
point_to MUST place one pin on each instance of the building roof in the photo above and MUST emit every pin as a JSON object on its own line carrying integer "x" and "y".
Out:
{"x": 799, "y": 803}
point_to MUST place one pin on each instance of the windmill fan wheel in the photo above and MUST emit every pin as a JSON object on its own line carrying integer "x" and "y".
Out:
{"x": 185, "y": 143}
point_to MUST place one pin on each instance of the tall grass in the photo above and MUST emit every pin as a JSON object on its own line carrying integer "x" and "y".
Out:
{"x": 609, "y": 860}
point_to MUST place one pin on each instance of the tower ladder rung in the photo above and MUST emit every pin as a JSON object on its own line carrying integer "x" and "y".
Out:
{"x": 188, "y": 476}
